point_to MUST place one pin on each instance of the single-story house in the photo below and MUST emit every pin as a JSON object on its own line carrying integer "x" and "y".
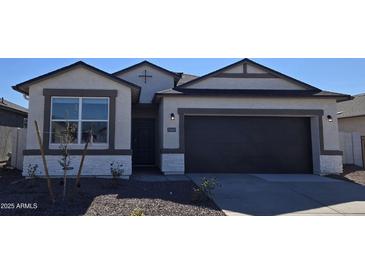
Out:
{"x": 12, "y": 115}
{"x": 351, "y": 123}
{"x": 244, "y": 117}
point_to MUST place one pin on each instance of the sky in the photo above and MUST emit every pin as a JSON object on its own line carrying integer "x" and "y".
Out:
{"x": 338, "y": 75}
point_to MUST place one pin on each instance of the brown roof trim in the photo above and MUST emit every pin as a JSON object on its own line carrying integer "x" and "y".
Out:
{"x": 177, "y": 76}
{"x": 256, "y": 93}
{"x": 23, "y": 87}
{"x": 248, "y": 61}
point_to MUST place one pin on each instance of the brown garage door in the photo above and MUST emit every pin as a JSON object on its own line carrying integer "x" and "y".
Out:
{"x": 248, "y": 144}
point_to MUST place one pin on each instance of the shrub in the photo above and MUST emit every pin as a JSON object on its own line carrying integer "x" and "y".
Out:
{"x": 197, "y": 195}
{"x": 32, "y": 171}
{"x": 116, "y": 169}
{"x": 137, "y": 212}
{"x": 208, "y": 185}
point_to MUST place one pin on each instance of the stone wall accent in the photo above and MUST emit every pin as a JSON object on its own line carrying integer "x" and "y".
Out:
{"x": 173, "y": 163}
{"x": 94, "y": 165}
{"x": 331, "y": 164}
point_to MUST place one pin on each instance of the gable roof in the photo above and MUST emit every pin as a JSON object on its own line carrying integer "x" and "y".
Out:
{"x": 7, "y": 105}
{"x": 24, "y": 86}
{"x": 353, "y": 108}
{"x": 176, "y": 76}
{"x": 257, "y": 65}
{"x": 186, "y": 78}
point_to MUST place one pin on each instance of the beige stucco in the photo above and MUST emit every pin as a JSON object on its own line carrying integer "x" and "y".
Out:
{"x": 321, "y": 164}
{"x": 352, "y": 124}
{"x": 252, "y": 69}
{"x": 172, "y": 104}
{"x": 239, "y": 69}
{"x": 213, "y": 82}
{"x": 247, "y": 83}
{"x": 160, "y": 129}
{"x": 235, "y": 69}
{"x": 159, "y": 81}
{"x": 81, "y": 78}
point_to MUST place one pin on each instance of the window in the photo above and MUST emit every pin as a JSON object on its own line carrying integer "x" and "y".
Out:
{"x": 83, "y": 115}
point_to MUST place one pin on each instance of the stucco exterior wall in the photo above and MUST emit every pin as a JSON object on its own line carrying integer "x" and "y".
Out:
{"x": 81, "y": 78}
{"x": 159, "y": 81}
{"x": 160, "y": 121}
{"x": 170, "y": 140}
{"x": 94, "y": 165}
{"x": 353, "y": 124}
{"x": 248, "y": 83}
{"x": 171, "y": 105}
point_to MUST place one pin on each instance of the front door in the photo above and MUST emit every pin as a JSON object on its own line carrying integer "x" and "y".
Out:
{"x": 143, "y": 141}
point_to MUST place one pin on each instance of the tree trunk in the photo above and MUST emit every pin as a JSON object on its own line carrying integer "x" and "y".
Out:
{"x": 44, "y": 162}
{"x": 81, "y": 164}
{"x": 64, "y": 183}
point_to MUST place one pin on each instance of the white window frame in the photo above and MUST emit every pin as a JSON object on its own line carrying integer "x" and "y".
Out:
{"x": 79, "y": 122}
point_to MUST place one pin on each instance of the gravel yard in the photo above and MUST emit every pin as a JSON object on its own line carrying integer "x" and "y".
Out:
{"x": 100, "y": 197}
{"x": 352, "y": 173}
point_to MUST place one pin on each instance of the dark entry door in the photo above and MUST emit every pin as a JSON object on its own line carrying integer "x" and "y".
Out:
{"x": 143, "y": 141}
{"x": 248, "y": 144}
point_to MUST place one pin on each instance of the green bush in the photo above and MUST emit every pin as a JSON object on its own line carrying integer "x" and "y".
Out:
{"x": 32, "y": 171}
{"x": 208, "y": 185}
{"x": 116, "y": 169}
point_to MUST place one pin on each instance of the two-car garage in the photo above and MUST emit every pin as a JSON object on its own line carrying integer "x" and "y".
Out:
{"x": 247, "y": 144}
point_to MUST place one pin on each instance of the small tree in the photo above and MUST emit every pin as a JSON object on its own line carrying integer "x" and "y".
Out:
{"x": 116, "y": 170}
{"x": 41, "y": 149}
{"x": 67, "y": 137}
{"x": 88, "y": 140}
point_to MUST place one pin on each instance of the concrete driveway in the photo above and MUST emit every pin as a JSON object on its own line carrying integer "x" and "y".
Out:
{"x": 277, "y": 194}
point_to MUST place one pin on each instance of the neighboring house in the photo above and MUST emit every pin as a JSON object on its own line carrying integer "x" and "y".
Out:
{"x": 12, "y": 115}
{"x": 242, "y": 118}
{"x": 351, "y": 122}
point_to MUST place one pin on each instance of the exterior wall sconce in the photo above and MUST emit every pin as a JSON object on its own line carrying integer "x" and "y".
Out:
{"x": 329, "y": 118}
{"x": 172, "y": 116}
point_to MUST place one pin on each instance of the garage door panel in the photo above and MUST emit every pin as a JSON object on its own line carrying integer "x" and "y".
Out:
{"x": 247, "y": 144}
